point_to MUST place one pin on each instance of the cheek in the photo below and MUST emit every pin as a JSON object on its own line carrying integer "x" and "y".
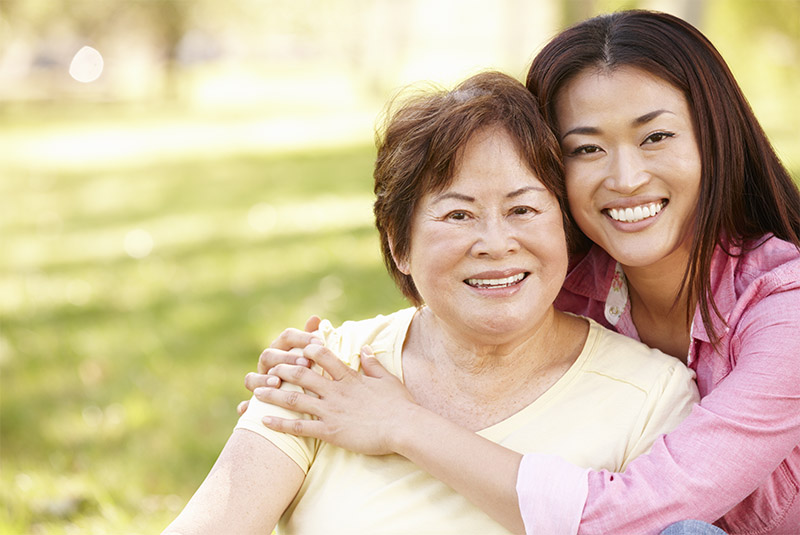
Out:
{"x": 549, "y": 243}
{"x": 573, "y": 185}
{"x": 578, "y": 201}
{"x": 440, "y": 242}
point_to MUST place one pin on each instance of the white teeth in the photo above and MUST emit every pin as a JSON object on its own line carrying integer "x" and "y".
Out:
{"x": 496, "y": 283}
{"x": 631, "y": 215}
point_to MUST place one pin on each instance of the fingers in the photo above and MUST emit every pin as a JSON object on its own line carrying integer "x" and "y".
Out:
{"x": 291, "y": 338}
{"x": 371, "y": 366}
{"x": 300, "y": 376}
{"x": 300, "y": 428}
{"x": 293, "y": 400}
{"x": 329, "y": 362}
{"x": 242, "y": 407}
{"x": 312, "y": 324}
{"x": 271, "y": 357}
{"x": 258, "y": 380}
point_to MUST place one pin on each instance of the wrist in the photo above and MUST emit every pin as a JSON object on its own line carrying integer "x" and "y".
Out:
{"x": 407, "y": 428}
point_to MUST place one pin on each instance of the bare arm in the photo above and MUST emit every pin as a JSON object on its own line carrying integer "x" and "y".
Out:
{"x": 246, "y": 491}
{"x": 373, "y": 413}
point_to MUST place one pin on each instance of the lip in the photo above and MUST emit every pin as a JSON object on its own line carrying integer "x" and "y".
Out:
{"x": 501, "y": 290}
{"x": 497, "y": 274}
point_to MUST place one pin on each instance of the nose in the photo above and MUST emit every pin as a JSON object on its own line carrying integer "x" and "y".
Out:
{"x": 627, "y": 171}
{"x": 496, "y": 238}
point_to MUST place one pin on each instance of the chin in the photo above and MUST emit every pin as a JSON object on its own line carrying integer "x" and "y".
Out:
{"x": 500, "y": 328}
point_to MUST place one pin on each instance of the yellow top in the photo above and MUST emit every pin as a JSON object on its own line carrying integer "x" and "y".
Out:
{"x": 609, "y": 407}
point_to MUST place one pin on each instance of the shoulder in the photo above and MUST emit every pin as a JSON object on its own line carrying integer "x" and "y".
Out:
{"x": 629, "y": 361}
{"x": 382, "y": 333}
{"x": 771, "y": 261}
{"x": 765, "y": 274}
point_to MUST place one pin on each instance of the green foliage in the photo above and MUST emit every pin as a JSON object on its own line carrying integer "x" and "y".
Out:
{"x": 135, "y": 297}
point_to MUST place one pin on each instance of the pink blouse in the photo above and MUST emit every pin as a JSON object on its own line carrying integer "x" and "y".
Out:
{"x": 735, "y": 460}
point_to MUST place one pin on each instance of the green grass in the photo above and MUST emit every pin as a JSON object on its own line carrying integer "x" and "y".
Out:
{"x": 121, "y": 370}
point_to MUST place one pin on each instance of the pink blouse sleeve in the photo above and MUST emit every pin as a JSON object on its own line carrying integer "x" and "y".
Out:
{"x": 548, "y": 483}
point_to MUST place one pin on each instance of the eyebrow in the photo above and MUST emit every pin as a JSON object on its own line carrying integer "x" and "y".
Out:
{"x": 644, "y": 119}
{"x": 467, "y": 198}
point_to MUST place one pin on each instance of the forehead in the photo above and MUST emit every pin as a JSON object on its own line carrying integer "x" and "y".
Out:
{"x": 490, "y": 167}
{"x": 624, "y": 92}
{"x": 491, "y": 156}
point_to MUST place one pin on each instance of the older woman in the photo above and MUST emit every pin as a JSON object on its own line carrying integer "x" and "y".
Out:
{"x": 469, "y": 210}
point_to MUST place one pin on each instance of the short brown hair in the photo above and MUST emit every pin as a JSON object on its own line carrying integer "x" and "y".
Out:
{"x": 421, "y": 143}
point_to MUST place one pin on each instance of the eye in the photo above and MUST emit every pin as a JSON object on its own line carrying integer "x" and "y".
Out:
{"x": 523, "y": 210}
{"x": 457, "y": 215}
{"x": 655, "y": 137}
{"x": 585, "y": 149}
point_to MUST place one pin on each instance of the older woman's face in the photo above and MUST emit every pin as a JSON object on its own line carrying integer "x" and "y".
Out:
{"x": 488, "y": 254}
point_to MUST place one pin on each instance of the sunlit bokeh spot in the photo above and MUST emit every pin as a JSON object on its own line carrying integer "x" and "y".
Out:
{"x": 93, "y": 416}
{"x": 86, "y": 65}
{"x": 138, "y": 243}
{"x": 330, "y": 288}
{"x": 90, "y": 372}
{"x": 24, "y": 482}
{"x": 262, "y": 217}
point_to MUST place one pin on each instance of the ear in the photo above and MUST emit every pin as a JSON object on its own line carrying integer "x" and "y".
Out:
{"x": 402, "y": 264}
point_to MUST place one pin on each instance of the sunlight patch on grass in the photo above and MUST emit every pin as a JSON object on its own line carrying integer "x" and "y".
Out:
{"x": 92, "y": 146}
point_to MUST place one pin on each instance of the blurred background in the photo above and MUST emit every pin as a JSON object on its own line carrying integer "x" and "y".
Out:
{"x": 182, "y": 179}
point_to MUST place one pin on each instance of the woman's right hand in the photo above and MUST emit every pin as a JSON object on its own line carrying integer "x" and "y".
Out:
{"x": 286, "y": 349}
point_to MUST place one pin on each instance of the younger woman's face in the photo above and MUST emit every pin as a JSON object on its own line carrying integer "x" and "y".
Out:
{"x": 632, "y": 164}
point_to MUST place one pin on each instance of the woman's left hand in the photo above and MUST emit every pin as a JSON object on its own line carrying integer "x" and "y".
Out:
{"x": 355, "y": 411}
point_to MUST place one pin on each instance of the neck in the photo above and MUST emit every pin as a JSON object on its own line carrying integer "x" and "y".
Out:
{"x": 659, "y": 305}
{"x": 657, "y": 293}
{"x": 490, "y": 353}
{"x": 479, "y": 383}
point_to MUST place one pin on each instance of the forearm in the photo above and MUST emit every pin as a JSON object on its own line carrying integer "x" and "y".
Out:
{"x": 480, "y": 470}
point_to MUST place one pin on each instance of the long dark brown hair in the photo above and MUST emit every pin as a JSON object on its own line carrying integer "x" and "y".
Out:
{"x": 745, "y": 191}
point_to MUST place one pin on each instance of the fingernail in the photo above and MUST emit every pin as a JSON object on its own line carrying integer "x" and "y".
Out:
{"x": 273, "y": 381}
{"x": 302, "y": 361}
{"x": 316, "y": 341}
{"x": 266, "y": 420}
{"x": 366, "y": 350}
{"x": 260, "y": 391}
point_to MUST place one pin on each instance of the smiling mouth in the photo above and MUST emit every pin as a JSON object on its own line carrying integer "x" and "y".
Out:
{"x": 497, "y": 283}
{"x": 637, "y": 213}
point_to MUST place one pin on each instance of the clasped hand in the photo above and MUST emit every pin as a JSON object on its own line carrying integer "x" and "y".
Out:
{"x": 354, "y": 410}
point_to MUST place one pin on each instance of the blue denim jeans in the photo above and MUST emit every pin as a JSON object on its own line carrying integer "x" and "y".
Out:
{"x": 692, "y": 527}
